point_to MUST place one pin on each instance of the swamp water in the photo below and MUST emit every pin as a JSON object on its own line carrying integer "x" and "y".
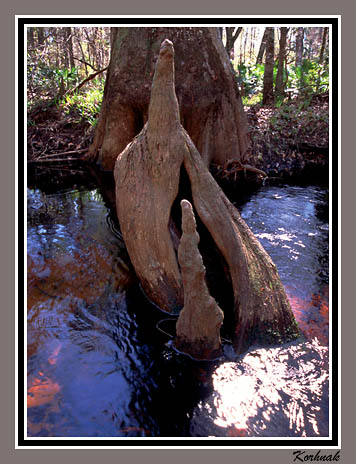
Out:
{"x": 100, "y": 363}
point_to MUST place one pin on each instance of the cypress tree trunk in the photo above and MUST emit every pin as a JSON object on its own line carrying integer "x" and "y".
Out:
{"x": 210, "y": 104}
{"x": 147, "y": 177}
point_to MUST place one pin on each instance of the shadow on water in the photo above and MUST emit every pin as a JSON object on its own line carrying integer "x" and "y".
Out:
{"x": 100, "y": 361}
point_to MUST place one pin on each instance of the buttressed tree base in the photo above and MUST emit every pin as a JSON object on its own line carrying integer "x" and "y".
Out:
{"x": 210, "y": 105}
{"x": 147, "y": 174}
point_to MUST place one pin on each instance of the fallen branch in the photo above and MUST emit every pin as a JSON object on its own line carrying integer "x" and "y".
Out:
{"x": 51, "y": 160}
{"x": 72, "y": 152}
{"x": 85, "y": 62}
{"x": 247, "y": 167}
{"x": 89, "y": 78}
{"x": 59, "y": 167}
{"x": 241, "y": 167}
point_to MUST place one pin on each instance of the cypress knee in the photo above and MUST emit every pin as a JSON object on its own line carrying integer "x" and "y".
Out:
{"x": 199, "y": 322}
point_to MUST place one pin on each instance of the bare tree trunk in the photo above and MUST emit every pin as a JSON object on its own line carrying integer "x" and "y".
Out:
{"x": 321, "y": 56}
{"x": 210, "y": 103}
{"x": 65, "y": 55}
{"x": 147, "y": 175}
{"x": 31, "y": 38}
{"x": 245, "y": 43}
{"x": 268, "y": 95}
{"x": 262, "y": 49}
{"x": 88, "y": 46}
{"x": 281, "y": 60}
{"x": 84, "y": 60}
{"x": 323, "y": 44}
{"x": 252, "y": 42}
{"x": 69, "y": 46}
{"x": 299, "y": 45}
{"x": 231, "y": 37}
{"x": 40, "y": 35}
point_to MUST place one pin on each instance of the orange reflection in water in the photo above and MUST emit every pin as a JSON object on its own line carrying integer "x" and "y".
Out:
{"x": 84, "y": 275}
{"x": 77, "y": 275}
{"x": 57, "y": 284}
{"x": 235, "y": 432}
{"x": 313, "y": 315}
{"x": 41, "y": 391}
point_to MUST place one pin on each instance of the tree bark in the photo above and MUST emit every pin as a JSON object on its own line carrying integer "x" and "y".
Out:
{"x": 40, "y": 35}
{"x": 31, "y": 37}
{"x": 231, "y": 37}
{"x": 323, "y": 43}
{"x": 147, "y": 182}
{"x": 321, "y": 55}
{"x": 299, "y": 46}
{"x": 147, "y": 175}
{"x": 281, "y": 60}
{"x": 199, "y": 322}
{"x": 210, "y": 103}
{"x": 69, "y": 46}
{"x": 268, "y": 95}
{"x": 262, "y": 49}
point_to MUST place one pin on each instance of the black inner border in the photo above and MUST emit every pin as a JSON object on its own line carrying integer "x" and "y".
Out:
{"x": 256, "y": 443}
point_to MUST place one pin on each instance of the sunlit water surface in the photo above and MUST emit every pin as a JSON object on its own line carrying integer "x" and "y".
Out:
{"x": 99, "y": 365}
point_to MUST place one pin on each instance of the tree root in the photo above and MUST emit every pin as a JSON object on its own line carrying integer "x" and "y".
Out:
{"x": 238, "y": 166}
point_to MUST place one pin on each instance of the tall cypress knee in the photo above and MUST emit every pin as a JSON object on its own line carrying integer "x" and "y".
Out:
{"x": 199, "y": 322}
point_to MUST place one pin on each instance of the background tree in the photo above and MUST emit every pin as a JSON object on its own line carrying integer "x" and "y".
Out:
{"x": 281, "y": 62}
{"x": 268, "y": 94}
{"x": 323, "y": 44}
{"x": 299, "y": 46}
{"x": 262, "y": 48}
{"x": 321, "y": 55}
{"x": 58, "y": 90}
{"x": 232, "y": 33}
{"x": 60, "y": 57}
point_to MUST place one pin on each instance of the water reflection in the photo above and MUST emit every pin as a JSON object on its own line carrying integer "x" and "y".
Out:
{"x": 98, "y": 366}
{"x": 266, "y": 392}
{"x": 291, "y": 223}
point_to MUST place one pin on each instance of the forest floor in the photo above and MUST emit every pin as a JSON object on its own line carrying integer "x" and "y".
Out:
{"x": 284, "y": 140}
{"x": 287, "y": 141}
{"x": 53, "y": 134}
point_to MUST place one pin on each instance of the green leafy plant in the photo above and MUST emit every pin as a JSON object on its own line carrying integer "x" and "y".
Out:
{"x": 85, "y": 105}
{"x": 309, "y": 78}
{"x": 68, "y": 77}
{"x": 251, "y": 77}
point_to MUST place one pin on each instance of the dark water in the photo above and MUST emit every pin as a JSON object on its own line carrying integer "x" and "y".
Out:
{"x": 99, "y": 366}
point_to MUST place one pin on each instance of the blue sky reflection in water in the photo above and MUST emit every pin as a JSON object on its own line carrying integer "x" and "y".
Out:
{"x": 98, "y": 366}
